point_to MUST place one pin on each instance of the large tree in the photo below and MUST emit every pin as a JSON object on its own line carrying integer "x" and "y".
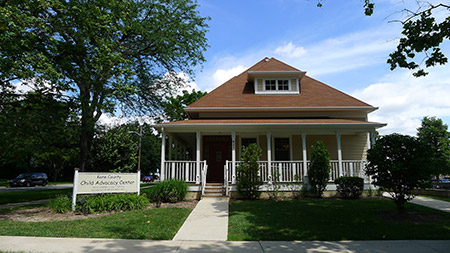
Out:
{"x": 112, "y": 56}
{"x": 422, "y": 36}
{"x": 174, "y": 106}
{"x": 433, "y": 132}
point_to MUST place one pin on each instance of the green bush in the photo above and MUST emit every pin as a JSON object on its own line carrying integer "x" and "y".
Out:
{"x": 172, "y": 190}
{"x": 349, "y": 187}
{"x": 319, "y": 170}
{"x": 61, "y": 204}
{"x": 101, "y": 203}
{"x": 248, "y": 181}
{"x": 113, "y": 202}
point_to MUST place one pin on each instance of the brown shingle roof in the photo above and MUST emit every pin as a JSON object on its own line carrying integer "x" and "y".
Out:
{"x": 238, "y": 93}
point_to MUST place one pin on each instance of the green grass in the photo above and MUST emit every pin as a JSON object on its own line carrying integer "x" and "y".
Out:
{"x": 23, "y": 196}
{"x": 150, "y": 224}
{"x": 6, "y": 210}
{"x": 58, "y": 183}
{"x": 4, "y": 182}
{"x": 434, "y": 197}
{"x": 332, "y": 219}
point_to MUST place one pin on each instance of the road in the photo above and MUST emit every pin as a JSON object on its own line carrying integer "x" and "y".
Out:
{"x": 35, "y": 188}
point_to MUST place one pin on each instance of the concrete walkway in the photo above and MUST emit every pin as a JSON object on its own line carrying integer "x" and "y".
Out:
{"x": 49, "y": 244}
{"x": 207, "y": 222}
{"x": 28, "y": 203}
{"x": 428, "y": 202}
{"x": 432, "y": 203}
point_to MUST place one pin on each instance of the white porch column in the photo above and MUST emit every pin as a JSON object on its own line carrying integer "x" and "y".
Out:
{"x": 372, "y": 138}
{"x": 269, "y": 156}
{"x": 233, "y": 157}
{"x": 305, "y": 156}
{"x": 170, "y": 147}
{"x": 163, "y": 154}
{"x": 338, "y": 137}
{"x": 197, "y": 176}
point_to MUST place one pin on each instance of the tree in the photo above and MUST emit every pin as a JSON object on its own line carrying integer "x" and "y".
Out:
{"x": 422, "y": 36}
{"x": 247, "y": 172}
{"x": 174, "y": 106}
{"x": 37, "y": 133}
{"x": 110, "y": 56}
{"x": 433, "y": 132}
{"x": 399, "y": 164}
{"x": 319, "y": 170}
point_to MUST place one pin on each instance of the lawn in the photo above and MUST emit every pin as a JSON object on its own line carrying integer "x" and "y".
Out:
{"x": 22, "y": 196}
{"x": 333, "y": 219}
{"x": 149, "y": 224}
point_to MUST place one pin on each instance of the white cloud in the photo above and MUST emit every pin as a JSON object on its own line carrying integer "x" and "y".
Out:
{"x": 222, "y": 75}
{"x": 289, "y": 50}
{"x": 404, "y": 100}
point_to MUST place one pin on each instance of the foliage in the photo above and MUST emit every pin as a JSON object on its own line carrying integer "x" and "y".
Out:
{"x": 333, "y": 220}
{"x": 113, "y": 202}
{"x": 174, "y": 106}
{"x": 274, "y": 186}
{"x": 172, "y": 190}
{"x": 319, "y": 170}
{"x": 422, "y": 36}
{"x": 62, "y": 204}
{"x": 399, "y": 164}
{"x": 349, "y": 187}
{"x": 433, "y": 132}
{"x": 248, "y": 180}
{"x": 146, "y": 224}
{"x": 296, "y": 188}
{"x": 38, "y": 133}
{"x": 108, "y": 56}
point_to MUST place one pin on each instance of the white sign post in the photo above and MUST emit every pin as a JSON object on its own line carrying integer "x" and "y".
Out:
{"x": 104, "y": 182}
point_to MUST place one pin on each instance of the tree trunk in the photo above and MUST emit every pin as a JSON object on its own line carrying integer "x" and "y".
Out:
{"x": 87, "y": 126}
{"x": 400, "y": 202}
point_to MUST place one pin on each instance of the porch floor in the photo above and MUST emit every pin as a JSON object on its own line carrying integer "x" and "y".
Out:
{"x": 208, "y": 221}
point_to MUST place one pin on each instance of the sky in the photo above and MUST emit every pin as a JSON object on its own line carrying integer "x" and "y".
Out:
{"x": 336, "y": 44}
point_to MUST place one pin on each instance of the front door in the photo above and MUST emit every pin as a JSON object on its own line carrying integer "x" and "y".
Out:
{"x": 216, "y": 150}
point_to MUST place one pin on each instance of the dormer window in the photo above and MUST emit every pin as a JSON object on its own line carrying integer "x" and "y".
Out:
{"x": 277, "y": 84}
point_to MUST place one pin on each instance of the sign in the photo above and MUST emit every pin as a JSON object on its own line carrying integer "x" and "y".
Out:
{"x": 89, "y": 182}
{"x": 104, "y": 182}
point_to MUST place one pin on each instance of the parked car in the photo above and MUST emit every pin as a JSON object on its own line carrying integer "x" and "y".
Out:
{"x": 147, "y": 179}
{"x": 441, "y": 183}
{"x": 30, "y": 179}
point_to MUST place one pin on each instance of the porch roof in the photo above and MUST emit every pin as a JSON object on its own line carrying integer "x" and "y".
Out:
{"x": 257, "y": 123}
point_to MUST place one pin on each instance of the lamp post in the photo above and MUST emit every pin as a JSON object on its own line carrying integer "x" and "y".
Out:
{"x": 140, "y": 143}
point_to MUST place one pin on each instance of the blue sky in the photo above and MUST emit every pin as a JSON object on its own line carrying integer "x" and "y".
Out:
{"x": 336, "y": 44}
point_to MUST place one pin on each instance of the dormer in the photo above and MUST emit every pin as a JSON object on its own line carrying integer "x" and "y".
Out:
{"x": 276, "y": 82}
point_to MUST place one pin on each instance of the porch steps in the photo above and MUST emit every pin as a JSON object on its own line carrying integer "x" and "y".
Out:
{"x": 214, "y": 190}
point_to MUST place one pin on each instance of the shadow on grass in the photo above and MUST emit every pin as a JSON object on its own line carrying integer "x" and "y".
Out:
{"x": 331, "y": 220}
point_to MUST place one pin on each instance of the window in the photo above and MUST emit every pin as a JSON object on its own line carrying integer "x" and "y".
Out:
{"x": 283, "y": 85}
{"x": 282, "y": 149}
{"x": 271, "y": 85}
{"x": 276, "y": 84}
{"x": 247, "y": 141}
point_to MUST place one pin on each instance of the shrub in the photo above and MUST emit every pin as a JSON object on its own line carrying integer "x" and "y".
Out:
{"x": 113, "y": 202}
{"x": 349, "y": 187}
{"x": 399, "y": 164}
{"x": 248, "y": 180}
{"x": 319, "y": 170}
{"x": 61, "y": 204}
{"x": 172, "y": 190}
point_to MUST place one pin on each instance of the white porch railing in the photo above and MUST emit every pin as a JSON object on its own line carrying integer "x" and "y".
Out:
{"x": 184, "y": 170}
{"x": 294, "y": 171}
{"x": 204, "y": 174}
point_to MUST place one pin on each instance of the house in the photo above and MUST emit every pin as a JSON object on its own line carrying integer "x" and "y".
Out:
{"x": 281, "y": 109}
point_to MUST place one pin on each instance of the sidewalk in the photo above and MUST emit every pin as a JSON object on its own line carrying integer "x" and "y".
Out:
{"x": 34, "y": 202}
{"x": 208, "y": 221}
{"x": 428, "y": 202}
{"x": 48, "y": 244}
